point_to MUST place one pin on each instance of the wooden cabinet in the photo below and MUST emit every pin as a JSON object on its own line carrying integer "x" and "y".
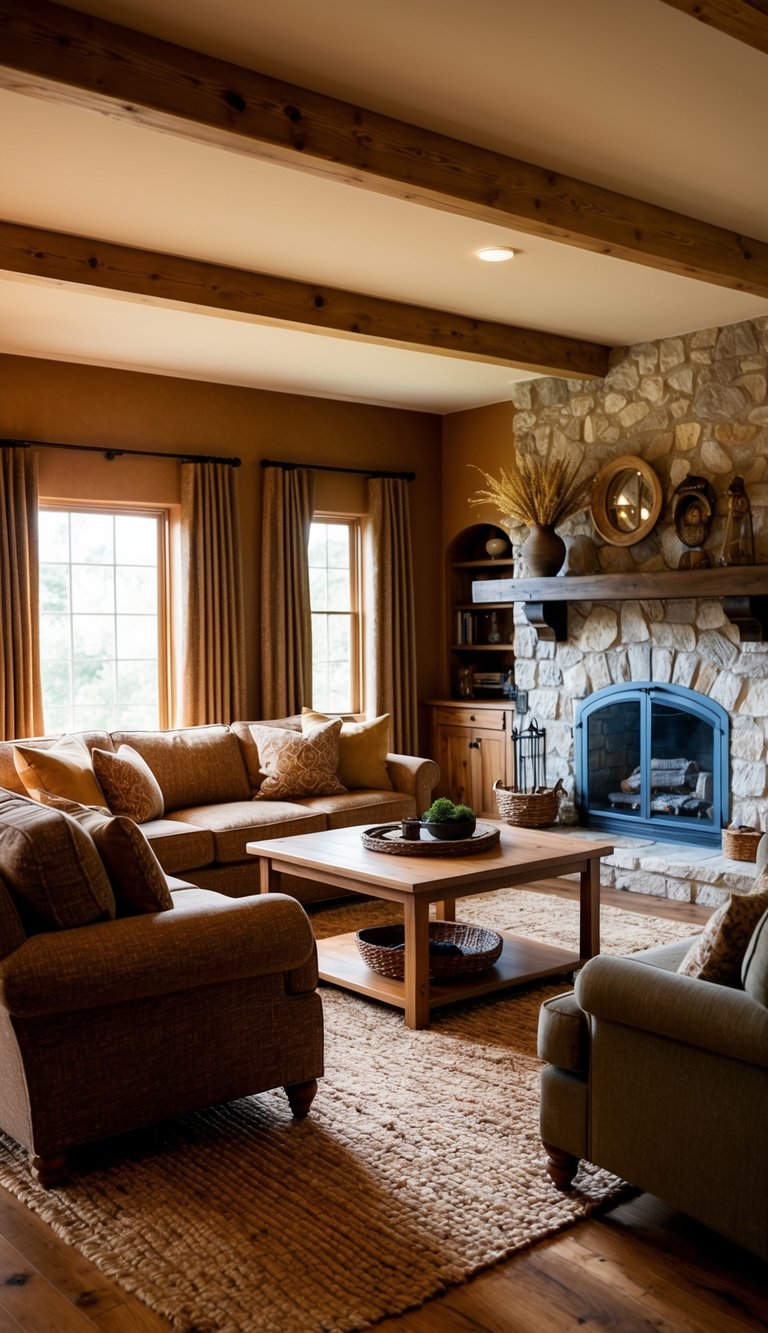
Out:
{"x": 472, "y": 746}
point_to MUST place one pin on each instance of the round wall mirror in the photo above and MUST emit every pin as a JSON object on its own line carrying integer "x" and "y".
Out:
{"x": 626, "y": 500}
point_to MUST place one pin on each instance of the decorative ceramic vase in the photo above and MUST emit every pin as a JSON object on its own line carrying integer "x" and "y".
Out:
{"x": 496, "y": 546}
{"x": 543, "y": 552}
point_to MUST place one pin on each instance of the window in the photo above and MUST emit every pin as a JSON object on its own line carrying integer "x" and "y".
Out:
{"x": 335, "y": 601}
{"x": 102, "y": 618}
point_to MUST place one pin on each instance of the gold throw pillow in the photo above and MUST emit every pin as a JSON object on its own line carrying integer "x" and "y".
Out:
{"x": 363, "y": 748}
{"x": 63, "y": 769}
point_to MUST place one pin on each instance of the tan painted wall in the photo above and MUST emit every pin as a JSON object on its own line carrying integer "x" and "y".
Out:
{"x": 484, "y": 437}
{"x": 47, "y": 400}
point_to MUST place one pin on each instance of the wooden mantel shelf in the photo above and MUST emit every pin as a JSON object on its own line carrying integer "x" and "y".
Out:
{"x": 743, "y": 590}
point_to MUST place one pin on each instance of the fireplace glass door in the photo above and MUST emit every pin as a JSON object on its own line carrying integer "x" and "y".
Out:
{"x": 653, "y": 759}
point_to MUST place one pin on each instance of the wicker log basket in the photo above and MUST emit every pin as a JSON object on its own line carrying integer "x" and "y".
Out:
{"x": 740, "y": 842}
{"x": 381, "y": 947}
{"x": 531, "y": 809}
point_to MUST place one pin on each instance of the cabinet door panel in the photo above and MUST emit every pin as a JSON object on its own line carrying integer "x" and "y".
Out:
{"x": 453, "y": 757}
{"x": 489, "y": 765}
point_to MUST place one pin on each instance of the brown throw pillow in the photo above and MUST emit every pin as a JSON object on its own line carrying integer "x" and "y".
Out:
{"x": 51, "y": 867}
{"x": 130, "y": 786}
{"x": 298, "y": 765}
{"x": 63, "y": 769}
{"x": 718, "y": 952}
{"x": 363, "y": 748}
{"x": 137, "y": 878}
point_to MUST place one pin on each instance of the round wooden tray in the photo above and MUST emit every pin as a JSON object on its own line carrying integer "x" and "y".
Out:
{"x": 389, "y": 838}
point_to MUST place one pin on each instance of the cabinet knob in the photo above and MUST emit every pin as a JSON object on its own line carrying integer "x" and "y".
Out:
{"x": 472, "y": 717}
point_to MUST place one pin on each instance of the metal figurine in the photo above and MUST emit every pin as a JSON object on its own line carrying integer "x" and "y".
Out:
{"x": 738, "y": 543}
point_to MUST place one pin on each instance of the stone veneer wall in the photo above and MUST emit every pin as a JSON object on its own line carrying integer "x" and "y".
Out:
{"x": 691, "y": 404}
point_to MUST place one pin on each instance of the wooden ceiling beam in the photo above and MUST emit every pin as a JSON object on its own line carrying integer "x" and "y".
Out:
{"x": 172, "y": 280}
{"x": 746, "y": 20}
{"x": 54, "y": 52}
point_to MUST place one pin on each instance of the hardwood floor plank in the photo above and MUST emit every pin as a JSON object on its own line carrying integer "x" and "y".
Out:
{"x": 692, "y": 1307}
{"x": 75, "y": 1277}
{"x": 30, "y": 1300}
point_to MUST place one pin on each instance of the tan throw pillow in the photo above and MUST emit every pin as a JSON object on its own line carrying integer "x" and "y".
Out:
{"x": 130, "y": 786}
{"x": 51, "y": 867}
{"x": 64, "y": 769}
{"x": 718, "y": 952}
{"x": 137, "y": 878}
{"x": 297, "y": 765}
{"x": 363, "y": 747}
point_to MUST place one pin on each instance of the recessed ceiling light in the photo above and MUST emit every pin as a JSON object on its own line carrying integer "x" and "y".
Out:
{"x": 496, "y": 254}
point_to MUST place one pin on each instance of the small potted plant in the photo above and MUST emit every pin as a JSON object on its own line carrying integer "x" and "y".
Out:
{"x": 445, "y": 820}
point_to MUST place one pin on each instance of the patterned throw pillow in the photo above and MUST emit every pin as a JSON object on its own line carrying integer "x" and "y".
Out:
{"x": 63, "y": 769}
{"x": 298, "y": 765}
{"x": 754, "y": 969}
{"x": 363, "y": 748}
{"x": 137, "y": 879}
{"x": 717, "y": 953}
{"x": 130, "y": 786}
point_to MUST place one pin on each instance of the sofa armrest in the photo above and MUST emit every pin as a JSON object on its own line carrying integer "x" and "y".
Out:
{"x": 205, "y": 940}
{"x": 714, "y": 1018}
{"x": 414, "y": 777}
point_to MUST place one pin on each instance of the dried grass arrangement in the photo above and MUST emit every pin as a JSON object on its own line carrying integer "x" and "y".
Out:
{"x": 535, "y": 490}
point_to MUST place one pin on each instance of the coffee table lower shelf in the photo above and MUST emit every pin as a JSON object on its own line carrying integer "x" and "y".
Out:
{"x": 521, "y": 960}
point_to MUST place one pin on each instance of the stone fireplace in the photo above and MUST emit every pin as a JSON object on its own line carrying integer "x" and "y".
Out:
{"x": 691, "y": 405}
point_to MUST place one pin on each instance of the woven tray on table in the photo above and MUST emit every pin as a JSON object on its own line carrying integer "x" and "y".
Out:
{"x": 381, "y": 947}
{"x": 740, "y": 844}
{"x": 534, "y": 809}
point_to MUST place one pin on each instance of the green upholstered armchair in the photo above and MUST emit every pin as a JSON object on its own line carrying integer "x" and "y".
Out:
{"x": 662, "y": 1078}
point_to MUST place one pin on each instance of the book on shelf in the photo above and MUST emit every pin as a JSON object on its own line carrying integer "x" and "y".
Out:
{"x": 464, "y": 627}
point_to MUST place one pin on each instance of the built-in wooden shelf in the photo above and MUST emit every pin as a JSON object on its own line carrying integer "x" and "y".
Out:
{"x": 743, "y": 590}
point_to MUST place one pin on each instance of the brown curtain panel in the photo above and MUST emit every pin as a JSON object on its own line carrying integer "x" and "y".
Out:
{"x": 20, "y": 688}
{"x": 288, "y": 502}
{"x": 214, "y": 647}
{"x": 393, "y": 634}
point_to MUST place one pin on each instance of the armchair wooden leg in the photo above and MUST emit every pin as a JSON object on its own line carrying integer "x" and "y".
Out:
{"x": 301, "y": 1096}
{"x": 48, "y": 1171}
{"x": 561, "y": 1166}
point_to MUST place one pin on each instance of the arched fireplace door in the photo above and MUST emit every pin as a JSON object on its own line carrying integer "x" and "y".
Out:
{"x": 652, "y": 761}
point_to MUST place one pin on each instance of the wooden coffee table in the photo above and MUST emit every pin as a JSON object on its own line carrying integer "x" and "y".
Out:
{"x": 336, "y": 857}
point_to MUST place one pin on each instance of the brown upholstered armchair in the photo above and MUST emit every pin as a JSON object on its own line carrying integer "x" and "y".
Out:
{"x": 128, "y": 1020}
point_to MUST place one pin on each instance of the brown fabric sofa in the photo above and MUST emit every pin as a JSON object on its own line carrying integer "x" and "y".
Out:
{"x": 209, "y": 776}
{"x": 111, "y": 1022}
{"x": 662, "y": 1078}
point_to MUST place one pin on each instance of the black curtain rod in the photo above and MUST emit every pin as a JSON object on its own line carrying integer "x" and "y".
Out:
{"x": 319, "y": 467}
{"x": 112, "y": 454}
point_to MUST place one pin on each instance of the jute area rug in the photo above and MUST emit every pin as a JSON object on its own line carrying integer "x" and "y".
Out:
{"x": 419, "y": 1165}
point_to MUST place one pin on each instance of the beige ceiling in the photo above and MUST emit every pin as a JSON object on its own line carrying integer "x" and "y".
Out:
{"x": 628, "y": 94}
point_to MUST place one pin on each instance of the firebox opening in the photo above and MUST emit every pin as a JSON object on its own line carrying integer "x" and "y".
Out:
{"x": 652, "y": 760}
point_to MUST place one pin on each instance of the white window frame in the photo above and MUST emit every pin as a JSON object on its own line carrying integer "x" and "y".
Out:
{"x": 165, "y": 658}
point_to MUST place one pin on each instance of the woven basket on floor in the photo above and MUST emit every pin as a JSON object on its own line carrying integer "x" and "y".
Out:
{"x": 480, "y": 949}
{"x": 740, "y": 844}
{"x": 529, "y": 809}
